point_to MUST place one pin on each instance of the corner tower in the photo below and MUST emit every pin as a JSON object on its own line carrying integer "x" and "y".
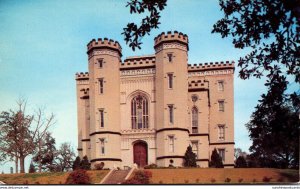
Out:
{"x": 104, "y": 57}
{"x": 171, "y": 52}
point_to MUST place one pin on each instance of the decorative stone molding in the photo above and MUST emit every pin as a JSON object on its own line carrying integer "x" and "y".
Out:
{"x": 103, "y": 52}
{"x": 137, "y": 80}
{"x": 173, "y": 45}
{"x": 138, "y": 72}
{"x": 214, "y": 72}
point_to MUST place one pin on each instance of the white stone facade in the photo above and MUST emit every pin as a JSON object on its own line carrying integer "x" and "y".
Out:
{"x": 148, "y": 109}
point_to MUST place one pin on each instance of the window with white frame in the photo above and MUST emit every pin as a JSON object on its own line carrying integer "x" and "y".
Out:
{"x": 194, "y": 120}
{"x": 139, "y": 112}
{"x": 170, "y": 80}
{"x": 220, "y": 85}
{"x": 171, "y": 113}
{"x": 102, "y": 146}
{"x": 101, "y": 85}
{"x": 195, "y": 148}
{"x": 101, "y": 117}
{"x": 221, "y": 132}
{"x": 171, "y": 143}
{"x": 222, "y": 154}
{"x": 221, "y": 105}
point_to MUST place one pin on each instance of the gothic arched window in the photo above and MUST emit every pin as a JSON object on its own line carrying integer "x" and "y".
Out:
{"x": 139, "y": 112}
{"x": 194, "y": 120}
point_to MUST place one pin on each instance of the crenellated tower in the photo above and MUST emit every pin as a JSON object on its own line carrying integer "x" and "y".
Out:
{"x": 83, "y": 121}
{"x": 171, "y": 53}
{"x": 104, "y": 57}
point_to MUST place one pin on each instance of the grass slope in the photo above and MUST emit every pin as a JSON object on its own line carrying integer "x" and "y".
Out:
{"x": 47, "y": 178}
{"x": 218, "y": 176}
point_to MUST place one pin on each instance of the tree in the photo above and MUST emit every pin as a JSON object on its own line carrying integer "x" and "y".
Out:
{"x": 85, "y": 163}
{"x": 270, "y": 28}
{"x": 238, "y": 152}
{"x": 216, "y": 160}
{"x": 43, "y": 124}
{"x": 16, "y": 139}
{"x": 31, "y": 168}
{"x": 190, "y": 157}
{"x": 65, "y": 156}
{"x": 76, "y": 163}
{"x": 46, "y": 154}
{"x": 133, "y": 33}
{"x": 274, "y": 127}
{"x": 240, "y": 162}
{"x": 18, "y": 134}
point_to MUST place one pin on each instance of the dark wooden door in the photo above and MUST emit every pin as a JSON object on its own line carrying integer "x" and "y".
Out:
{"x": 140, "y": 154}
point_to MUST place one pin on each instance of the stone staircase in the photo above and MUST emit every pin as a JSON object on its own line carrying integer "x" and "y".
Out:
{"x": 116, "y": 177}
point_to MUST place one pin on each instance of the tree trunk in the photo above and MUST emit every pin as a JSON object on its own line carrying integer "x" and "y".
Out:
{"x": 40, "y": 159}
{"x": 16, "y": 164}
{"x": 22, "y": 167}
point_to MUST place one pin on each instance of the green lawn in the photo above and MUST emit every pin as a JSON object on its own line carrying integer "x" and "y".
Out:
{"x": 48, "y": 178}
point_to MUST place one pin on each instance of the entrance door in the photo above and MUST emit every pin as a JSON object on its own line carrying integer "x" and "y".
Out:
{"x": 140, "y": 154}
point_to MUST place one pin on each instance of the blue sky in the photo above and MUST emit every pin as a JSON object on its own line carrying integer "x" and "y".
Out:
{"x": 43, "y": 45}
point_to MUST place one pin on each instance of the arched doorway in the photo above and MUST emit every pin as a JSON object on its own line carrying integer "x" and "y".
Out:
{"x": 140, "y": 153}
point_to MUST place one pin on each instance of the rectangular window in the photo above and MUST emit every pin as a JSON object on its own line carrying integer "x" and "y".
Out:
{"x": 221, "y": 105}
{"x": 222, "y": 154}
{"x": 170, "y": 57}
{"x": 220, "y": 85}
{"x": 195, "y": 148}
{"x": 102, "y": 146}
{"x": 171, "y": 143}
{"x": 101, "y": 118}
{"x": 171, "y": 113}
{"x": 170, "y": 80}
{"x": 101, "y": 86}
{"x": 221, "y": 132}
{"x": 100, "y": 63}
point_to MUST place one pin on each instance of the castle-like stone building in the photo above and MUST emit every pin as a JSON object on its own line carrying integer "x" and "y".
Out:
{"x": 149, "y": 109}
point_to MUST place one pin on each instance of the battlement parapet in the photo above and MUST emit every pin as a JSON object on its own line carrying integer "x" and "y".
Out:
{"x": 138, "y": 61}
{"x": 211, "y": 66}
{"x": 198, "y": 83}
{"x": 171, "y": 37}
{"x": 82, "y": 76}
{"x": 104, "y": 43}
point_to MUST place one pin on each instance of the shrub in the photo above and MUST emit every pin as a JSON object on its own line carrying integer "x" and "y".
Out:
{"x": 190, "y": 157}
{"x": 99, "y": 166}
{"x": 240, "y": 180}
{"x": 266, "y": 179}
{"x": 227, "y": 180}
{"x": 240, "y": 162}
{"x": 78, "y": 177}
{"x": 151, "y": 166}
{"x": 31, "y": 168}
{"x": 76, "y": 163}
{"x": 85, "y": 163}
{"x": 216, "y": 160}
{"x": 140, "y": 177}
{"x": 213, "y": 180}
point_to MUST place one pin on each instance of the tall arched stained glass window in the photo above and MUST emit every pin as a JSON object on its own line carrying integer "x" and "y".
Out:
{"x": 194, "y": 120}
{"x": 139, "y": 112}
